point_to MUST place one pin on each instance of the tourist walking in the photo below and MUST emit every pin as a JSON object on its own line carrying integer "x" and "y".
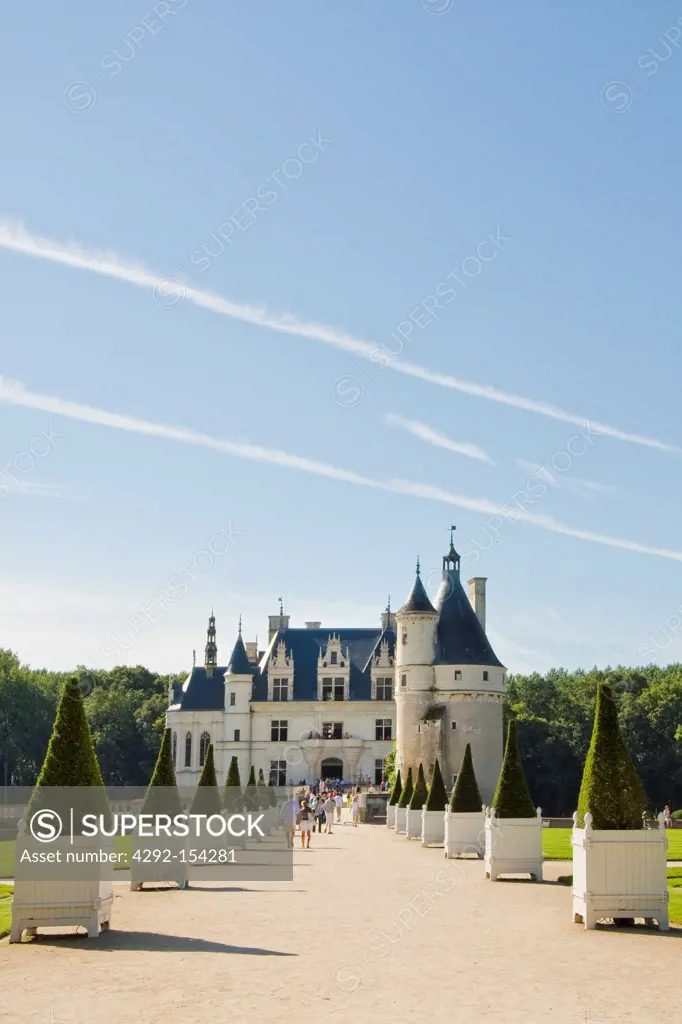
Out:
{"x": 305, "y": 823}
{"x": 667, "y": 817}
{"x": 319, "y": 814}
{"x": 288, "y": 817}
{"x": 338, "y": 800}
{"x": 355, "y": 810}
{"x": 329, "y": 806}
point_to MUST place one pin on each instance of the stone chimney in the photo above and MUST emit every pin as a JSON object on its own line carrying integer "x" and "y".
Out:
{"x": 276, "y": 622}
{"x": 313, "y": 625}
{"x": 252, "y": 651}
{"x": 477, "y": 597}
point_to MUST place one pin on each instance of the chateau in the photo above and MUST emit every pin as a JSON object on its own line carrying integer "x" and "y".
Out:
{"x": 325, "y": 702}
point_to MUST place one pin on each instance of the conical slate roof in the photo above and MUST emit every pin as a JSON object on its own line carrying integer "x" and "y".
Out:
{"x": 418, "y": 600}
{"x": 461, "y": 637}
{"x": 239, "y": 662}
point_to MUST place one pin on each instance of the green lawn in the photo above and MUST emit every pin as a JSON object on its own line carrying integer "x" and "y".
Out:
{"x": 5, "y": 909}
{"x": 556, "y": 844}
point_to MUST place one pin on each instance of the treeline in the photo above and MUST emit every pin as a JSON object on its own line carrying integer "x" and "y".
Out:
{"x": 125, "y": 708}
{"x": 555, "y": 713}
{"x": 126, "y": 711}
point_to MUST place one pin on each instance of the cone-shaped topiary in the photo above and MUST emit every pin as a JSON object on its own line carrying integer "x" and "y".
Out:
{"x": 261, "y": 791}
{"x": 466, "y": 797}
{"x": 232, "y": 795}
{"x": 162, "y": 793}
{"x": 512, "y": 797}
{"x": 420, "y": 793}
{"x": 70, "y": 759}
{"x": 207, "y": 798}
{"x": 611, "y": 789}
{"x": 438, "y": 797}
{"x": 272, "y": 791}
{"x": 250, "y": 793}
{"x": 408, "y": 790}
{"x": 396, "y": 791}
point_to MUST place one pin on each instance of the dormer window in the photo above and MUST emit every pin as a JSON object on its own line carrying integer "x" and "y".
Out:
{"x": 334, "y": 657}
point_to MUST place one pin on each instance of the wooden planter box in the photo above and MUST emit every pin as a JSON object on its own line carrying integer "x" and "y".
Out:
{"x": 513, "y": 846}
{"x": 619, "y": 874}
{"x": 88, "y": 902}
{"x": 464, "y": 833}
{"x": 400, "y": 822}
{"x": 390, "y": 815}
{"x": 144, "y": 872}
{"x": 413, "y": 823}
{"x": 433, "y": 828}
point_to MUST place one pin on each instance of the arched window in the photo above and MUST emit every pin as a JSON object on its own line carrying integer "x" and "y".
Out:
{"x": 174, "y": 748}
{"x": 188, "y": 750}
{"x": 203, "y": 748}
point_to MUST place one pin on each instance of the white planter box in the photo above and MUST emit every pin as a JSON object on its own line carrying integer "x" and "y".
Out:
{"x": 150, "y": 872}
{"x": 400, "y": 816}
{"x": 433, "y": 828}
{"x": 619, "y": 874}
{"x": 464, "y": 833}
{"x": 38, "y": 903}
{"x": 413, "y": 823}
{"x": 513, "y": 846}
{"x": 390, "y": 815}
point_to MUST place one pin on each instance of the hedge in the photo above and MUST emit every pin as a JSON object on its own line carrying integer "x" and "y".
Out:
{"x": 438, "y": 798}
{"x": 512, "y": 797}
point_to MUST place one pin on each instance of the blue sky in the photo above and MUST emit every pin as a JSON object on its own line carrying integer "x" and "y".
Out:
{"x": 361, "y": 162}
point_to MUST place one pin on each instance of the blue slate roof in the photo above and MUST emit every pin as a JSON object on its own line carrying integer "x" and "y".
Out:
{"x": 305, "y": 646}
{"x": 200, "y": 692}
{"x": 461, "y": 639}
{"x": 239, "y": 662}
{"x": 418, "y": 599}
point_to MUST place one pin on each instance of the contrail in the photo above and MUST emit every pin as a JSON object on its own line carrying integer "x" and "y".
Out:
{"x": 14, "y": 393}
{"x": 426, "y": 433}
{"x": 15, "y": 237}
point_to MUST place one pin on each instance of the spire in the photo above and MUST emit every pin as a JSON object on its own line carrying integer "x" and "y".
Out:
{"x": 240, "y": 625}
{"x": 194, "y": 658}
{"x": 388, "y": 605}
{"x": 418, "y": 569}
{"x": 451, "y": 558}
{"x": 211, "y": 652}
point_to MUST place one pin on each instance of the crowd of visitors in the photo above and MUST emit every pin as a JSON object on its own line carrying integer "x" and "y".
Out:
{"x": 317, "y": 809}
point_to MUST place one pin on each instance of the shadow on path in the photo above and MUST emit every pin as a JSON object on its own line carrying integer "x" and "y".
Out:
{"x": 152, "y": 942}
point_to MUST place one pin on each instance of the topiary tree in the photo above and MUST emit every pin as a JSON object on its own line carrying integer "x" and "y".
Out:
{"x": 408, "y": 790}
{"x": 251, "y": 793}
{"x": 207, "y": 798}
{"x": 420, "y": 793}
{"x": 272, "y": 790}
{"x": 512, "y": 797}
{"x": 396, "y": 791}
{"x": 232, "y": 796}
{"x": 611, "y": 789}
{"x": 70, "y": 759}
{"x": 466, "y": 798}
{"x": 261, "y": 792}
{"x": 389, "y": 766}
{"x": 438, "y": 797}
{"x": 162, "y": 793}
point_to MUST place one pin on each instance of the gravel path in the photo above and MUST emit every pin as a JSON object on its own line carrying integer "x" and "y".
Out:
{"x": 373, "y": 928}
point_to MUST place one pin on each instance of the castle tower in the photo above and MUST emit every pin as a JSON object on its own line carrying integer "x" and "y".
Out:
{"x": 211, "y": 651}
{"x": 238, "y": 687}
{"x": 469, "y": 680}
{"x": 415, "y": 649}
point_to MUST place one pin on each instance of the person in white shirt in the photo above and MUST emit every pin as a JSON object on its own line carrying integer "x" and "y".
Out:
{"x": 329, "y": 806}
{"x": 338, "y": 800}
{"x": 355, "y": 810}
{"x": 288, "y": 816}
